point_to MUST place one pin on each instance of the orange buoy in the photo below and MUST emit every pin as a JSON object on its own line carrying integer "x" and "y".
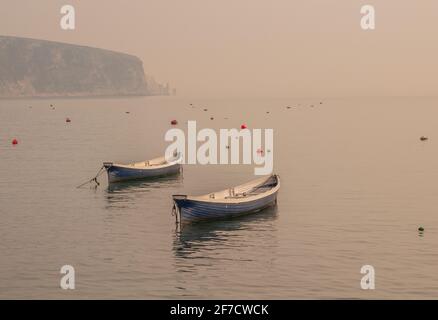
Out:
{"x": 174, "y": 122}
{"x": 15, "y": 142}
{"x": 243, "y": 126}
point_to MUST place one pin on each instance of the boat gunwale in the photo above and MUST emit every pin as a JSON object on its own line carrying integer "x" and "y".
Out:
{"x": 132, "y": 166}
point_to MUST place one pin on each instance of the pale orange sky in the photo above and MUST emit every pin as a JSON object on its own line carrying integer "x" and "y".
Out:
{"x": 247, "y": 48}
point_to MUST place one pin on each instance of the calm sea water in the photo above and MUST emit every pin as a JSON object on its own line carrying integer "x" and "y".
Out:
{"x": 356, "y": 184}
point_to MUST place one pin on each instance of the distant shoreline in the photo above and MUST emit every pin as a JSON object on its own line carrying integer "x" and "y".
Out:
{"x": 81, "y": 97}
{"x": 32, "y": 68}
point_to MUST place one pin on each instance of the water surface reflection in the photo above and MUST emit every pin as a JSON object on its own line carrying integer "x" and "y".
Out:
{"x": 123, "y": 194}
{"x": 202, "y": 240}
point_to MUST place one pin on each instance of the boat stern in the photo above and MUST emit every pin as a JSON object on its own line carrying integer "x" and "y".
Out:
{"x": 107, "y": 165}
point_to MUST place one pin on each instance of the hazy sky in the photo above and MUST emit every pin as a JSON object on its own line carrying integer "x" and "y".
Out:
{"x": 276, "y": 48}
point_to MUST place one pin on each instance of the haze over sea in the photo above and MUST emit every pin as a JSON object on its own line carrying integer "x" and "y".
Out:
{"x": 357, "y": 183}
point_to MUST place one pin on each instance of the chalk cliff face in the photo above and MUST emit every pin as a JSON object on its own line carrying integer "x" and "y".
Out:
{"x": 38, "y": 68}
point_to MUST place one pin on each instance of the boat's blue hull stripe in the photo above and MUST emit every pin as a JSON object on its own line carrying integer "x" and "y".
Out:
{"x": 117, "y": 174}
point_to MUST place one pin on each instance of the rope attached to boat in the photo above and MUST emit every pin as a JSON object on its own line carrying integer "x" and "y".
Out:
{"x": 176, "y": 213}
{"x": 101, "y": 170}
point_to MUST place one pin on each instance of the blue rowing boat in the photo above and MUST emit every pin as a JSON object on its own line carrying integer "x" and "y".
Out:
{"x": 154, "y": 168}
{"x": 248, "y": 198}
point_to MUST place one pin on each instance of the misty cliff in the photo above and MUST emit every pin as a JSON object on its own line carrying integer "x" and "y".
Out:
{"x": 39, "y": 68}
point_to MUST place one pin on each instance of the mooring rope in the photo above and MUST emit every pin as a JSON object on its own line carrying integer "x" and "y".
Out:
{"x": 176, "y": 213}
{"x": 94, "y": 179}
{"x": 174, "y": 210}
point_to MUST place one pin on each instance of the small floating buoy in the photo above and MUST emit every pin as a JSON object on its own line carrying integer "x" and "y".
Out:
{"x": 423, "y": 138}
{"x": 14, "y": 142}
{"x": 243, "y": 126}
{"x": 421, "y": 229}
{"x": 67, "y": 120}
{"x": 174, "y": 122}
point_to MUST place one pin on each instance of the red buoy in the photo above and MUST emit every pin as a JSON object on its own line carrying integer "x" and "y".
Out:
{"x": 243, "y": 126}
{"x": 15, "y": 142}
{"x": 174, "y": 122}
{"x": 67, "y": 120}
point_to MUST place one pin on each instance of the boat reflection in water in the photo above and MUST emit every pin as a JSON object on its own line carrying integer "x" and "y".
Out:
{"x": 200, "y": 240}
{"x": 125, "y": 194}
